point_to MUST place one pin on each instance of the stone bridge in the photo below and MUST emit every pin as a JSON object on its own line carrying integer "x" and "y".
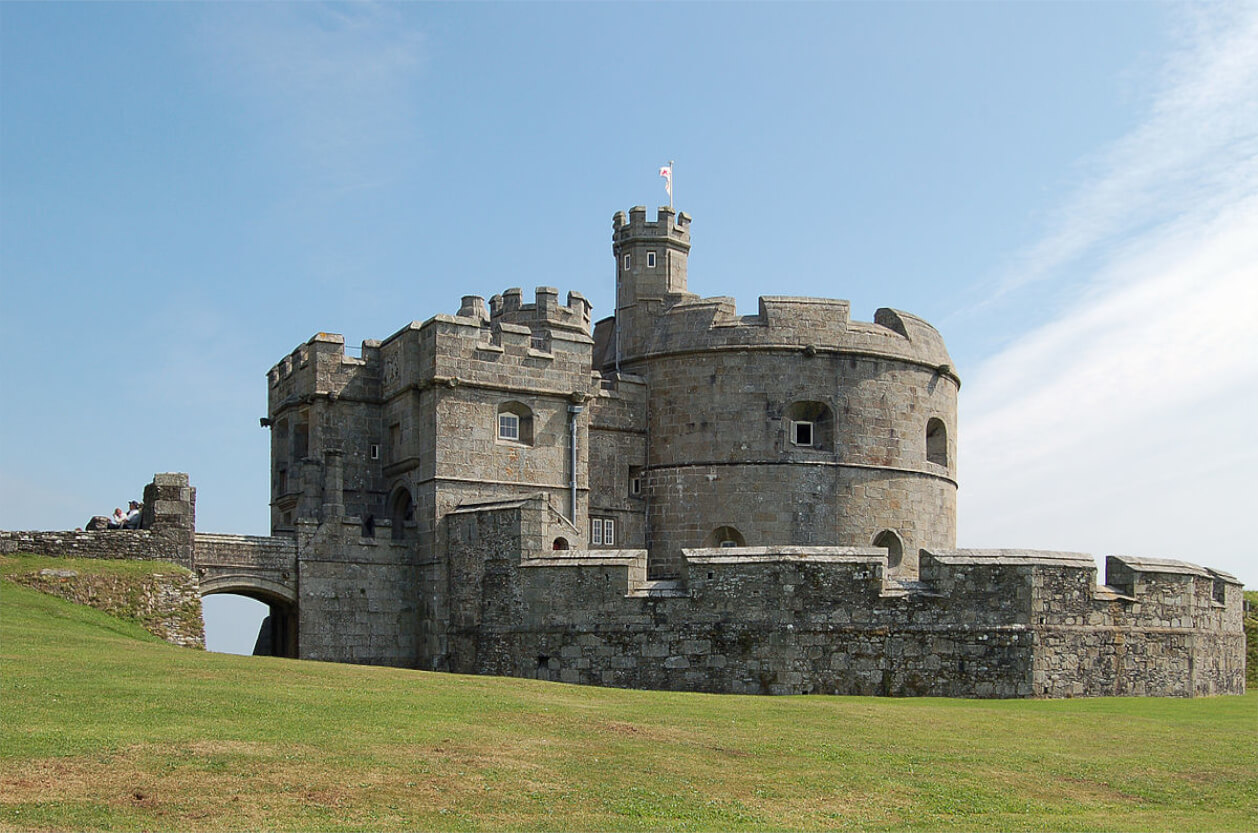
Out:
{"x": 262, "y": 568}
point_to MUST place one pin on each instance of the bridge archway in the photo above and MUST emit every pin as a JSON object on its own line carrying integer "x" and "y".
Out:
{"x": 278, "y": 633}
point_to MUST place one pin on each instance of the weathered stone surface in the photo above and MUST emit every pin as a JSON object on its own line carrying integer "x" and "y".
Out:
{"x": 167, "y": 604}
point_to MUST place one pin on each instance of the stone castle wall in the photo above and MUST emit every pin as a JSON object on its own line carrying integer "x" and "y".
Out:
{"x": 792, "y": 620}
{"x": 137, "y": 544}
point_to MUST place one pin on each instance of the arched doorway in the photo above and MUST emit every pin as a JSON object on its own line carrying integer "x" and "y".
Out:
{"x": 402, "y": 513}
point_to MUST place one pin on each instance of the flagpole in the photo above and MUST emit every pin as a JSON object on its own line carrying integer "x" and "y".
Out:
{"x": 672, "y": 182}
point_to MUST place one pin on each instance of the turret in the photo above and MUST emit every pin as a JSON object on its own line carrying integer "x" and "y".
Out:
{"x": 650, "y": 257}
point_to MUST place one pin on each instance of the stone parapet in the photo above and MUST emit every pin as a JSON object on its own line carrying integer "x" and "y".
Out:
{"x": 128, "y": 544}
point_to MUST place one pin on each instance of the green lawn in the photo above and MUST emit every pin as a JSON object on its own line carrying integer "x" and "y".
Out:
{"x": 104, "y": 727}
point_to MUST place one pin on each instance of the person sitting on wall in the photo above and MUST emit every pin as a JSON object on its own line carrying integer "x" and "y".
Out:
{"x": 132, "y": 520}
{"x": 117, "y": 519}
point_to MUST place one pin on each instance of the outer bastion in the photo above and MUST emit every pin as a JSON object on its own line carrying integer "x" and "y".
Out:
{"x": 800, "y": 620}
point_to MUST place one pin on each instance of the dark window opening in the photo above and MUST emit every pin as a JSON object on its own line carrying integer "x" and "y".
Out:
{"x": 810, "y": 424}
{"x": 725, "y": 537}
{"x": 801, "y": 433}
{"x": 937, "y": 442}
{"x": 301, "y": 440}
{"x": 402, "y": 514}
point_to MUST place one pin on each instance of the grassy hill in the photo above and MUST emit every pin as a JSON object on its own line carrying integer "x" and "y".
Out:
{"x": 105, "y": 727}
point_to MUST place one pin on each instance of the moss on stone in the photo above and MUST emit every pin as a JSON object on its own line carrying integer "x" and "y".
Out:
{"x": 162, "y": 597}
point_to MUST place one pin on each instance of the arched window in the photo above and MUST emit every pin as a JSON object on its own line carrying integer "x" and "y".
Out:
{"x": 559, "y": 543}
{"x": 809, "y": 425}
{"x": 725, "y": 537}
{"x": 515, "y": 423}
{"x": 890, "y": 542}
{"x": 402, "y": 514}
{"x": 936, "y": 442}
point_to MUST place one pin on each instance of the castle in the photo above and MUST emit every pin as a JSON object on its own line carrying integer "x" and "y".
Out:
{"x": 687, "y": 498}
{"x": 676, "y": 497}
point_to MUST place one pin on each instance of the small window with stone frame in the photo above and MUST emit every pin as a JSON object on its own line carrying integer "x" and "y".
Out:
{"x": 626, "y": 261}
{"x": 802, "y": 433}
{"x": 508, "y": 427}
{"x": 809, "y": 424}
{"x": 515, "y": 424}
{"x": 650, "y": 260}
{"x": 602, "y": 532}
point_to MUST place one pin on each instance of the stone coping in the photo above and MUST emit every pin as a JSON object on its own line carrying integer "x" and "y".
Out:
{"x": 1165, "y": 565}
{"x": 756, "y": 555}
{"x": 229, "y": 538}
{"x": 584, "y": 558}
{"x": 489, "y": 506}
{"x": 1228, "y": 577}
{"x": 1013, "y": 558}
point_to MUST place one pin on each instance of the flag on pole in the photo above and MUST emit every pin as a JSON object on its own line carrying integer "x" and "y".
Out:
{"x": 667, "y": 173}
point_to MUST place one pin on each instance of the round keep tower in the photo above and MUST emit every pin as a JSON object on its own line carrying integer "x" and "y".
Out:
{"x": 792, "y": 427}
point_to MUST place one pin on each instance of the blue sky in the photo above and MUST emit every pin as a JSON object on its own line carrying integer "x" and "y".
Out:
{"x": 1068, "y": 191}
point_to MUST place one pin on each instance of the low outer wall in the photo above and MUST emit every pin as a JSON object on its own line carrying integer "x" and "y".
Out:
{"x": 1160, "y": 627}
{"x": 819, "y": 620}
{"x": 167, "y": 525}
{"x": 129, "y": 544}
{"x": 762, "y": 621}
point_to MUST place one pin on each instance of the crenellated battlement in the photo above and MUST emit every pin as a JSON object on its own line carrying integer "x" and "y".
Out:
{"x": 544, "y": 313}
{"x": 322, "y": 350}
{"x": 811, "y": 325}
{"x": 668, "y": 226}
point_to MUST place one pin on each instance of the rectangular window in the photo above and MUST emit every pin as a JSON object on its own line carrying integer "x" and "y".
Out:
{"x": 375, "y": 451}
{"x": 626, "y": 262}
{"x": 728, "y": 545}
{"x": 602, "y": 532}
{"x": 635, "y": 486}
{"x": 801, "y": 433}
{"x": 650, "y": 260}
{"x": 508, "y": 427}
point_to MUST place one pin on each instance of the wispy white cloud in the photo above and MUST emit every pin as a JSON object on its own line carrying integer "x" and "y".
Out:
{"x": 1201, "y": 129}
{"x": 335, "y": 85}
{"x": 1127, "y": 421}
